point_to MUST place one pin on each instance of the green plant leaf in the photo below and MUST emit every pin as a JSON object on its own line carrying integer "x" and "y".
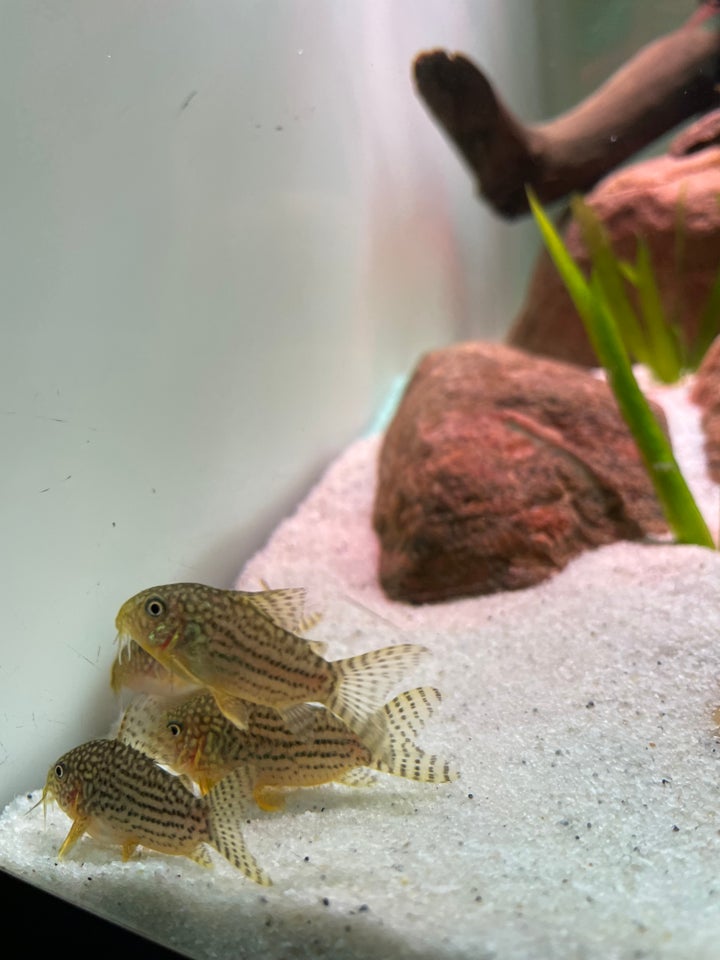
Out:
{"x": 665, "y": 352}
{"x": 590, "y": 299}
{"x": 611, "y": 279}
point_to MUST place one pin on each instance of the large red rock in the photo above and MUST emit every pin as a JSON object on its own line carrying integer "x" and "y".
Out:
{"x": 497, "y": 469}
{"x": 671, "y": 201}
{"x": 706, "y": 394}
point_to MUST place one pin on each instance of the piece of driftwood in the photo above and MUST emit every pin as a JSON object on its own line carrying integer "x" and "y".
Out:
{"x": 666, "y": 82}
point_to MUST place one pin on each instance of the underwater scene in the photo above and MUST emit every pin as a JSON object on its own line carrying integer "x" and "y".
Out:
{"x": 361, "y": 420}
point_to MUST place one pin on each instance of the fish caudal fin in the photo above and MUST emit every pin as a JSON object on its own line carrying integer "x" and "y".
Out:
{"x": 396, "y": 724}
{"x": 227, "y": 803}
{"x": 363, "y": 682}
{"x": 408, "y": 712}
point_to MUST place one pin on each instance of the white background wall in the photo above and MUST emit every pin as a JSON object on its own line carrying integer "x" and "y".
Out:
{"x": 227, "y": 228}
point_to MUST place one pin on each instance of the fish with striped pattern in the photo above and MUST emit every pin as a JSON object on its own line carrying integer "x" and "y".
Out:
{"x": 134, "y": 669}
{"x": 242, "y": 647}
{"x": 119, "y": 795}
{"x": 190, "y": 735}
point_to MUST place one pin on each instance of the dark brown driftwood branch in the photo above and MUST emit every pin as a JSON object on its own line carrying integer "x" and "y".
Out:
{"x": 666, "y": 82}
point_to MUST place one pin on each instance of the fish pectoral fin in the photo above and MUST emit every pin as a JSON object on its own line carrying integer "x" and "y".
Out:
{"x": 270, "y": 799}
{"x": 227, "y": 806}
{"x": 234, "y": 708}
{"x": 299, "y": 719}
{"x": 128, "y": 849}
{"x": 74, "y": 833}
{"x": 206, "y": 784}
{"x": 358, "y": 777}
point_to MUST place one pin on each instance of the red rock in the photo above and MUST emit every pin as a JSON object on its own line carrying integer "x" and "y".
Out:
{"x": 497, "y": 469}
{"x": 648, "y": 199}
{"x": 706, "y": 394}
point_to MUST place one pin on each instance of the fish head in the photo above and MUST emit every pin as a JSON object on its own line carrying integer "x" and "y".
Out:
{"x": 139, "y": 722}
{"x": 66, "y": 784}
{"x": 158, "y": 618}
{"x": 187, "y": 728}
{"x": 148, "y": 725}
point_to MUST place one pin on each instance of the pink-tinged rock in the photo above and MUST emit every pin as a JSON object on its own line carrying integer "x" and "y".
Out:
{"x": 671, "y": 201}
{"x": 497, "y": 469}
{"x": 706, "y": 394}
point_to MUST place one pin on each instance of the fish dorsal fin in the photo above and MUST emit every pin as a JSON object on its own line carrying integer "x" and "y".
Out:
{"x": 285, "y": 607}
{"x": 299, "y": 719}
{"x": 234, "y": 708}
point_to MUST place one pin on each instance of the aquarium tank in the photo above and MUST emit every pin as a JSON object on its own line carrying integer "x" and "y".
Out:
{"x": 361, "y": 489}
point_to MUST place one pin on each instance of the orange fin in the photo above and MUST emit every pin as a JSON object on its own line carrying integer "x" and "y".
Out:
{"x": 269, "y": 798}
{"x": 74, "y": 833}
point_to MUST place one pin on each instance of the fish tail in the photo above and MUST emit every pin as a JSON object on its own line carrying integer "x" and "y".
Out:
{"x": 227, "y": 804}
{"x": 396, "y": 725}
{"x": 363, "y": 682}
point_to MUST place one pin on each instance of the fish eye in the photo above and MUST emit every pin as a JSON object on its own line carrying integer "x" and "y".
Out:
{"x": 154, "y": 607}
{"x": 59, "y": 771}
{"x": 175, "y": 728}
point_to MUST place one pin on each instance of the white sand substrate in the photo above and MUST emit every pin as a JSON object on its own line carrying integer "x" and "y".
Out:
{"x": 585, "y": 824}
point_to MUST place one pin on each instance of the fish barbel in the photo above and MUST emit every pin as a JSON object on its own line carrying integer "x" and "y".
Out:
{"x": 191, "y": 735}
{"x": 119, "y": 795}
{"x": 240, "y": 645}
{"x": 134, "y": 669}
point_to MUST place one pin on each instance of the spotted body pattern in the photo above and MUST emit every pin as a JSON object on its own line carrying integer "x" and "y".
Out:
{"x": 134, "y": 669}
{"x": 241, "y": 646}
{"x": 118, "y": 795}
{"x": 191, "y": 735}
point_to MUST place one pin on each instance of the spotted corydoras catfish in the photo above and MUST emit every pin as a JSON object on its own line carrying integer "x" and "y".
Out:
{"x": 135, "y": 670}
{"x": 191, "y": 735}
{"x": 236, "y": 645}
{"x": 118, "y": 795}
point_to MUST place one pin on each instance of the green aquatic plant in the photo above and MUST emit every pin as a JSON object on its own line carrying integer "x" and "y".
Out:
{"x": 603, "y": 309}
{"x": 651, "y": 333}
